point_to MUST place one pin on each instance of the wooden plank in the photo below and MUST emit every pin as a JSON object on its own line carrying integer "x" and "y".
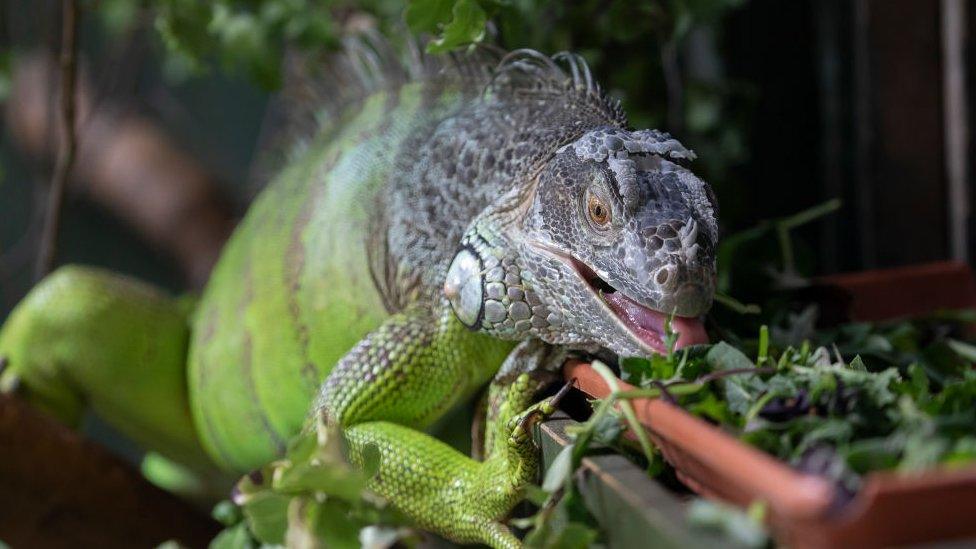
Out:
{"x": 632, "y": 509}
{"x": 58, "y": 489}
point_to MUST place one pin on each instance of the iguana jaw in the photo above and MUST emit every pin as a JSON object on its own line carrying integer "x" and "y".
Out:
{"x": 643, "y": 324}
{"x": 646, "y": 324}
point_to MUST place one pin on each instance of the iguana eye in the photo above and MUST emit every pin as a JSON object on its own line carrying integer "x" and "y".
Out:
{"x": 598, "y": 210}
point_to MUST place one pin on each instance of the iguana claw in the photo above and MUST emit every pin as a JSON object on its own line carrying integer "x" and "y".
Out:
{"x": 545, "y": 408}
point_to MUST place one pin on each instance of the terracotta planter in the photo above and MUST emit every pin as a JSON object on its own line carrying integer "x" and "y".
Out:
{"x": 889, "y": 509}
{"x": 905, "y": 291}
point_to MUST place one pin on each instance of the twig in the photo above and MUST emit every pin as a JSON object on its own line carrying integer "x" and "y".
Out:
{"x": 731, "y": 372}
{"x": 664, "y": 391}
{"x": 66, "y": 152}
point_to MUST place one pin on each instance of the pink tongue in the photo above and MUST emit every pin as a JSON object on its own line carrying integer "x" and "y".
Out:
{"x": 649, "y": 324}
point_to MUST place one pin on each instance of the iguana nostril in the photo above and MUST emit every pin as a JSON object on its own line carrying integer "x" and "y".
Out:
{"x": 662, "y": 276}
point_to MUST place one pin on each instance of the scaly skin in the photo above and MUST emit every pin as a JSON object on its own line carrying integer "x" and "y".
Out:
{"x": 293, "y": 292}
{"x": 384, "y": 276}
{"x": 435, "y": 486}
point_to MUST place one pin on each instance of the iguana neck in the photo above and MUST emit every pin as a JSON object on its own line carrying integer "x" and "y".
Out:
{"x": 450, "y": 171}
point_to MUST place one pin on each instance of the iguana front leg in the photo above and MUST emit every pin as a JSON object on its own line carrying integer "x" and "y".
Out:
{"x": 406, "y": 374}
{"x": 411, "y": 370}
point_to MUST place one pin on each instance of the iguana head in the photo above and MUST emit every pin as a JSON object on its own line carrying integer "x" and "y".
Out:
{"x": 614, "y": 237}
{"x": 619, "y": 237}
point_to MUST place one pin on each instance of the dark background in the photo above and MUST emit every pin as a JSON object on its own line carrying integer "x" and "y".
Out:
{"x": 789, "y": 104}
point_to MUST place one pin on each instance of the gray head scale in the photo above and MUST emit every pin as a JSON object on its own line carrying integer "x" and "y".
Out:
{"x": 619, "y": 236}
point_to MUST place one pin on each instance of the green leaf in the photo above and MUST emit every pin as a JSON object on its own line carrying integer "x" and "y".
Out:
{"x": 918, "y": 383}
{"x": 873, "y": 454}
{"x": 234, "y": 537}
{"x": 713, "y": 408}
{"x": 573, "y": 536}
{"x": 670, "y": 339}
{"x": 182, "y": 25}
{"x": 831, "y": 432}
{"x": 267, "y": 516}
{"x": 289, "y": 496}
{"x": 566, "y": 525}
{"x": 763, "y": 344}
{"x": 317, "y": 463}
{"x": 922, "y": 452}
{"x": 560, "y": 470}
{"x": 737, "y": 525}
{"x": 723, "y": 356}
{"x": 958, "y": 396}
{"x": 428, "y": 15}
{"x": 607, "y": 429}
{"x": 536, "y": 495}
{"x": 962, "y": 453}
{"x": 879, "y": 386}
{"x": 635, "y": 369}
{"x": 322, "y": 524}
{"x": 467, "y": 26}
{"x": 741, "y": 390}
{"x": 965, "y": 350}
{"x": 226, "y": 513}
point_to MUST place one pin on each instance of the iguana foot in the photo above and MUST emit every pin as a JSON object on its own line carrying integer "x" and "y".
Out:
{"x": 446, "y": 492}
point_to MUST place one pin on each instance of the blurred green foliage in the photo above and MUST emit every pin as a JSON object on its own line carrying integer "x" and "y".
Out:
{"x": 639, "y": 50}
{"x": 4, "y": 74}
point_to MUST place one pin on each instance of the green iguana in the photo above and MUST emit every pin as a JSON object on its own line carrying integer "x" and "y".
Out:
{"x": 451, "y": 226}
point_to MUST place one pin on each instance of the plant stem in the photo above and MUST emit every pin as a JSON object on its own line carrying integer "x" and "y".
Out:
{"x": 786, "y": 224}
{"x": 763, "y": 344}
{"x": 808, "y": 215}
{"x": 66, "y": 151}
{"x": 627, "y": 410}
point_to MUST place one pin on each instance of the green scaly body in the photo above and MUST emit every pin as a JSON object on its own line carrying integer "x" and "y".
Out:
{"x": 293, "y": 291}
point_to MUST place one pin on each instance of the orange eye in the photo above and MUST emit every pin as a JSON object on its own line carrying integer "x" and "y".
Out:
{"x": 598, "y": 210}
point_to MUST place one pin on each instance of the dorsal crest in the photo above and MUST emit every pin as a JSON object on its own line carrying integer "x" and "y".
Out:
{"x": 316, "y": 90}
{"x": 527, "y": 74}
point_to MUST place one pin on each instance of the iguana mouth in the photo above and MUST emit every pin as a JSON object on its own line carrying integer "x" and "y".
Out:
{"x": 646, "y": 324}
{"x": 643, "y": 323}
